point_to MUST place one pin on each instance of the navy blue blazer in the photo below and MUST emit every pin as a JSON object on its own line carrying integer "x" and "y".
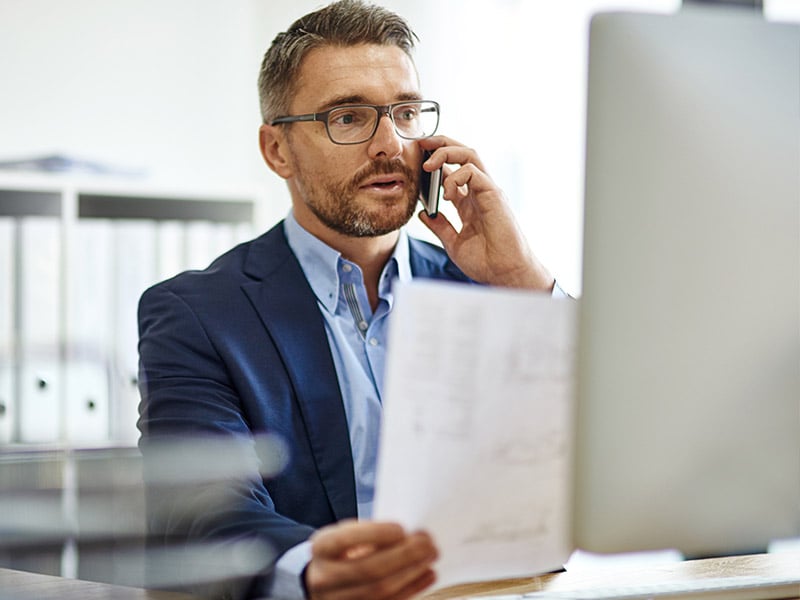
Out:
{"x": 240, "y": 349}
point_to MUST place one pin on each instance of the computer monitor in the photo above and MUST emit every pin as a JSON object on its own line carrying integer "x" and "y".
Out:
{"x": 688, "y": 412}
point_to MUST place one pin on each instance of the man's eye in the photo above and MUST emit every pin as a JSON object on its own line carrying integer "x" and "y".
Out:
{"x": 345, "y": 119}
{"x": 406, "y": 114}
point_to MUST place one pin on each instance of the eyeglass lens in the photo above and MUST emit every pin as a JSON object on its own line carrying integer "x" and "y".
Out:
{"x": 353, "y": 124}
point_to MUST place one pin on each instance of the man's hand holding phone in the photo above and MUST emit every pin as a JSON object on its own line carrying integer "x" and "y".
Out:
{"x": 489, "y": 247}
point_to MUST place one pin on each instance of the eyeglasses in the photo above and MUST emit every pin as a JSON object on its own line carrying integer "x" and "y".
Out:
{"x": 357, "y": 123}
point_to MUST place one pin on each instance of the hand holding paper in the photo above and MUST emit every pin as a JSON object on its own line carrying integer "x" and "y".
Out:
{"x": 475, "y": 442}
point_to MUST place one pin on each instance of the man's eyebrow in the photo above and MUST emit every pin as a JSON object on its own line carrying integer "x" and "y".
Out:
{"x": 341, "y": 100}
{"x": 408, "y": 96}
{"x": 358, "y": 99}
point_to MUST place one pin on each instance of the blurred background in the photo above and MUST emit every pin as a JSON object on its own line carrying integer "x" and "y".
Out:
{"x": 168, "y": 89}
{"x": 128, "y": 152}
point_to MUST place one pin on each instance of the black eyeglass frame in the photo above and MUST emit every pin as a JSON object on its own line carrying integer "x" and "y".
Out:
{"x": 385, "y": 109}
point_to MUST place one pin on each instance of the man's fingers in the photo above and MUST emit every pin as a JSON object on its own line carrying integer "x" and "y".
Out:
{"x": 447, "y": 150}
{"x": 399, "y": 585}
{"x": 414, "y": 587}
{"x": 361, "y": 561}
{"x": 441, "y": 227}
{"x": 466, "y": 180}
{"x": 417, "y": 550}
{"x": 335, "y": 541}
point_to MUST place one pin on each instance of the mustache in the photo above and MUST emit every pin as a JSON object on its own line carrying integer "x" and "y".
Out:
{"x": 382, "y": 167}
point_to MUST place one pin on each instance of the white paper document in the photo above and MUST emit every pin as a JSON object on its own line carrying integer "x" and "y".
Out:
{"x": 475, "y": 446}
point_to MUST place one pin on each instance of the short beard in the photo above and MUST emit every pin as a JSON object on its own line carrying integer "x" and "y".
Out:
{"x": 333, "y": 203}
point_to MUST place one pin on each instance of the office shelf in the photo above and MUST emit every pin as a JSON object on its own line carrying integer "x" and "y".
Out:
{"x": 76, "y": 252}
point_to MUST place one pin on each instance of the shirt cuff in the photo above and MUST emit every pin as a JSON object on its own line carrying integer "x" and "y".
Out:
{"x": 287, "y": 583}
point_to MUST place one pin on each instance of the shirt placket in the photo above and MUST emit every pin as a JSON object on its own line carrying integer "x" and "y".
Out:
{"x": 370, "y": 327}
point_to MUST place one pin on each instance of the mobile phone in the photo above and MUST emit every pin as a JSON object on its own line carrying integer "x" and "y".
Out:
{"x": 430, "y": 187}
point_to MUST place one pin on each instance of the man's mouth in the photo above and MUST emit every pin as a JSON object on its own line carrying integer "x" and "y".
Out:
{"x": 384, "y": 183}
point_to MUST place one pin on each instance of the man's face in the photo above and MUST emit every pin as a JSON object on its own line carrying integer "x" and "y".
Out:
{"x": 358, "y": 190}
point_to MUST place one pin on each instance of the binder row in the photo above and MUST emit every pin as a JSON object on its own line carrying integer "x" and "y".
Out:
{"x": 72, "y": 267}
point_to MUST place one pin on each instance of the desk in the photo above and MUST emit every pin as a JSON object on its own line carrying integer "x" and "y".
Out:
{"x": 20, "y": 585}
{"x": 17, "y": 585}
{"x": 786, "y": 564}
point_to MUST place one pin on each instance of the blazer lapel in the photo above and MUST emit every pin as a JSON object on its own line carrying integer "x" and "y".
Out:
{"x": 288, "y": 308}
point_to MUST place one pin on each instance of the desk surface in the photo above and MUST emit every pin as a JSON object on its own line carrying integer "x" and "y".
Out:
{"x": 785, "y": 564}
{"x": 18, "y": 585}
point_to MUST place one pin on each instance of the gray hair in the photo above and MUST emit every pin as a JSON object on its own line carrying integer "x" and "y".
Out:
{"x": 342, "y": 23}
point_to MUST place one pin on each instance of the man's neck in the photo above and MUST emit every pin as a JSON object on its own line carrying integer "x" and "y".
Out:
{"x": 370, "y": 253}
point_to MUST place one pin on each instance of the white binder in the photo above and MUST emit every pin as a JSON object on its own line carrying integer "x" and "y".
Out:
{"x": 170, "y": 249}
{"x": 88, "y": 401}
{"x": 205, "y": 241}
{"x": 40, "y": 299}
{"x": 200, "y": 247}
{"x": 134, "y": 270}
{"x": 88, "y": 328}
{"x": 7, "y": 358}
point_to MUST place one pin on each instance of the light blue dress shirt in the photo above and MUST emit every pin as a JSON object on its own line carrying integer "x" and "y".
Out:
{"x": 357, "y": 338}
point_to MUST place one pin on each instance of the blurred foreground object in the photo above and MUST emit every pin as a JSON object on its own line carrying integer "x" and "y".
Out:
{"x": 83, "y": 513}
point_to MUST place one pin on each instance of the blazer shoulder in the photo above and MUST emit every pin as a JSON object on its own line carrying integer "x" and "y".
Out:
{"x": 432, "y": 262}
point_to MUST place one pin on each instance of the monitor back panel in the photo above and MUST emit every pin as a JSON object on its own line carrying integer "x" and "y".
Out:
{"x": 688, "y": 416}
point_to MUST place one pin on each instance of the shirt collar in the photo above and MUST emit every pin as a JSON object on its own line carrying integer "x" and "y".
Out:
{"x": 320, "y": 263}
{"x": 401, "y": 257}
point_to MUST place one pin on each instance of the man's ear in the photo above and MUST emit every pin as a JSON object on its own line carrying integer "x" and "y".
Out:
{"x": 274, "y": 148}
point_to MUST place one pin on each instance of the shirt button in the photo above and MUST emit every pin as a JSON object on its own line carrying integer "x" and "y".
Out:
{"x": 373, "y": 341}
{"x": 363, "y": 325}
{"x": 346, "y": 268}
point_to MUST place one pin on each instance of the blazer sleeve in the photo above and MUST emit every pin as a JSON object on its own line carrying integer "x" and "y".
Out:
{"x": 188, "y": 396}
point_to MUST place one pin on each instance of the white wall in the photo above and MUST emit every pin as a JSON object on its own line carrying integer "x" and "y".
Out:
{"x": 164, "y": 86}
{"x": 170, "y": 86}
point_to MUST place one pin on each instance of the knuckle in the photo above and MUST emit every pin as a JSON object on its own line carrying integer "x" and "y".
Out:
{"x": 318, "y": 578}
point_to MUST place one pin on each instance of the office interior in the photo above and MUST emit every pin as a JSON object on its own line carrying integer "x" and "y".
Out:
{"x": 128, "y": 153}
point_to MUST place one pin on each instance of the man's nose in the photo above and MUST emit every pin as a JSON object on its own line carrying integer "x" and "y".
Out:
{"x": 385, "y": 142}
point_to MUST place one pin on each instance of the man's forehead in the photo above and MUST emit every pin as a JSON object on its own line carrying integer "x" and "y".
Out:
{"x": 369, "y": 73}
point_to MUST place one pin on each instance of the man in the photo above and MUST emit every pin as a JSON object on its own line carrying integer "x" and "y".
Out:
{"x": 286, "y": 334}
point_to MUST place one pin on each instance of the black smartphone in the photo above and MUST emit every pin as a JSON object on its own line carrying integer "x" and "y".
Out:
{"x": 430, "y": 187}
